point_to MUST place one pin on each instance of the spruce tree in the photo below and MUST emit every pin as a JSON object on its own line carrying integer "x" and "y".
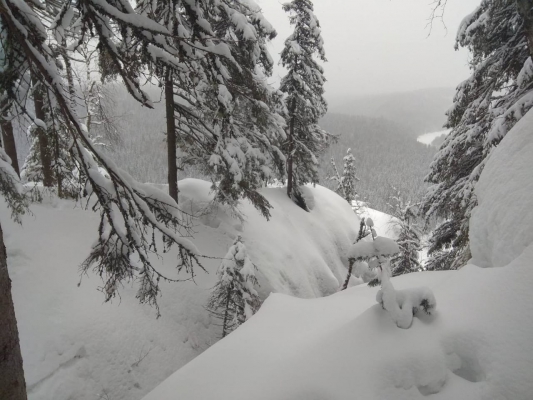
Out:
{"x": 346, "y": 183}
{"x": 234, "y": 298}
{"x": 303, "y": 85}
{"x": 224, "y": 118}
{"x": 56, "y": 167}
{"x": 486, "y": 106}
{"x": 404, "y": 220}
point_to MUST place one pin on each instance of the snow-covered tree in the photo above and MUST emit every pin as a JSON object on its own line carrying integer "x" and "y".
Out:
{"x": 346, "y": 183}
{"x": 401, "y": 305}
{"x": 234, "y": 298}
{"x": 404, "y": 217}
{"x": 8, "y": 137}
{"x": 48, "y": 161}
{"x": 486, "y": 106}
{"x": 365, "y": 227}
{"x": 96, "y": 98}
{"x": 303, "y": 85}
{"x": 219, "y": 108}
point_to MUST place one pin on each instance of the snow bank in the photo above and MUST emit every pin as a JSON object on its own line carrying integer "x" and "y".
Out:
{"x": 476, "y": 345}
{"x": 501, "y": 226}
{"x": 76, "y": 347}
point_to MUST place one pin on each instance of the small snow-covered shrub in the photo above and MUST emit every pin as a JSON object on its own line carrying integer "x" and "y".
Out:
{"x": 401, "y": 305}
{"x": 234, "y": 298}
{"x": 361, "y": 269}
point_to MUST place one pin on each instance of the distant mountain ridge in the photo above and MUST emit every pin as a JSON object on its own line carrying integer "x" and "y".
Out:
{"x": 420, "y": 111}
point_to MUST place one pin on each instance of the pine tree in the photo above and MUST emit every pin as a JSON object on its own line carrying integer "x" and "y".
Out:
{"x": 346, "y": 183}
{"x": 214, "y": 86}
{"x": 404, "y": 219}
{"x": 234, "y": 298}
{"x": 304, "y": 90}
{"x": 486, "y": 106}
{"x": 8, "y": 138}
{"x": 56, "y": 168}
{"x": 12, "y": 382}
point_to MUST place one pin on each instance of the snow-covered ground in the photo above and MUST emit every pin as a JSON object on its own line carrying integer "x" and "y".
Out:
{"x": 428, "y": 138}
{"x": 475, "y": 345}
{"x": 77, "y": 347}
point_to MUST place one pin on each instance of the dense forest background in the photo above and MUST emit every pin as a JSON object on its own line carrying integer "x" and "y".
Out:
{"x": 382, "y": 140}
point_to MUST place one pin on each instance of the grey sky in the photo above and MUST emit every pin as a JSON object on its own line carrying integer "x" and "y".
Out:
{"x": 382, "y": 46}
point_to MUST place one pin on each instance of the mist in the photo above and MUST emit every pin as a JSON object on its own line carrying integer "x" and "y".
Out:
{"x": 382, "y": 46}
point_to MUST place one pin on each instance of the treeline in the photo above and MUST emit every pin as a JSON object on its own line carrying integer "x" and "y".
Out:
{"x": 386, "y": 156}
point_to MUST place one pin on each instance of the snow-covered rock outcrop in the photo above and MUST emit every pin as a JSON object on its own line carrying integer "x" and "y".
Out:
{"x": 501, "y": 226}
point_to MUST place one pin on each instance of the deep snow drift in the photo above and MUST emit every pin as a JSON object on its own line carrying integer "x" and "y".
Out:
{"x": 476, "y": 345}
{"x": 77, "y": 347}
{"x": 502, "y": 225}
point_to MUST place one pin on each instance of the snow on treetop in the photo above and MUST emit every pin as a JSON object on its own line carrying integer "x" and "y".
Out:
{"x": 385, "y": 246}
{"x": 380, "y": 246}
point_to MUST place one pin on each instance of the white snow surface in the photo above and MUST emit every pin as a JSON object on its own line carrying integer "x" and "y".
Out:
{"x": 428, "y": 138}
{"x": 75, "y": 346}
{"x": 476, "y": 345}
{"x": 501, "y": 227}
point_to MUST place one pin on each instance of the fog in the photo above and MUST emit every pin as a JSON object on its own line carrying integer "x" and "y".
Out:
{"x": 382, "y": 46}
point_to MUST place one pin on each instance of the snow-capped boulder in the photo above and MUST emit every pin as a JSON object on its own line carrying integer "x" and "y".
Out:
{"x": 501, "y": 226}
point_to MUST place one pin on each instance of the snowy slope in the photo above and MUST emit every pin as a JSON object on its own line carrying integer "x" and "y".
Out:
{"x": 77, "y": 347}
{"x": 476, "y": 345}
{"x": 502, "y": 225}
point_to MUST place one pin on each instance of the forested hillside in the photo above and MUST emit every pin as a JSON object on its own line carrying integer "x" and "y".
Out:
{"x": 421, "y": 111}
{"x": 385, "y": 155}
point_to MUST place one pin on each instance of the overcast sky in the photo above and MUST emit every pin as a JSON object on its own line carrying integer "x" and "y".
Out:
{"x": 382, "y": 46}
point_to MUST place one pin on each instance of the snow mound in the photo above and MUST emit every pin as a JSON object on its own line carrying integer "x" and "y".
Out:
{"x": 476, "y": 345}
{"x": 76, "y": 347}
{"x": 501, "y": 226}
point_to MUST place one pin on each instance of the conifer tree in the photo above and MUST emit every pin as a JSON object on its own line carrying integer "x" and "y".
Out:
{"x": 346, "y": 183}
{"x": 486, "y": 106}
{"x": 62, "y": 171}
{"x": 404, "y": 219}
{"x": 234, "y": 298}
{"x": 224, "y": 118}
{"x": 8, "y": 138}
{"x": 303, "y": 85}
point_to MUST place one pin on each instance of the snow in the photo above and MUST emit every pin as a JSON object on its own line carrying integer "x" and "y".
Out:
{"x": 501, "y": 225}
{"x": 475, "y": 345}
{"x": 373, "y": 248}
{"x": 75, "y": 346}
{"x": 382, "y": 222}
{"x": 428, "y": 138}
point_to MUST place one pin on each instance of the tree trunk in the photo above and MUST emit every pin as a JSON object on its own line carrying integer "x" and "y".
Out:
{"x": 525, "y": 11}
{"x": 8, "y": 141}
{"x": 291, "y": 149}
{"x": 171, "y": 138}
{"x": 12, "y": 383}
{"x": 42, "y": 134}
{"x": 350, "y": 269}
{"x": 226, "y": 314}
